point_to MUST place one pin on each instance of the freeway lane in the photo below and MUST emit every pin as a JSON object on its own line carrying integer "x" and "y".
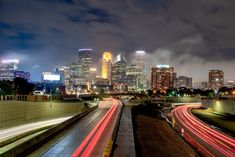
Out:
{"x": 208, "y": 141}
{"x": 21, "y": 129}
{"x": 67, "y": 144}
{"x": 95, "y": 142}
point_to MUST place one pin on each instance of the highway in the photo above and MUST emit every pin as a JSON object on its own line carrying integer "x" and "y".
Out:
{"x": 87, "y": 137}
{"x": 21, "y": 129}
{"x": 208, "y": 141}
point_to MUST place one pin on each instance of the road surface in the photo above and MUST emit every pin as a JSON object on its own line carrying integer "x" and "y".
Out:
{"x": 87, "y": 137}
{"x": 21, "y": 129}
{"x": 205, "y": 139}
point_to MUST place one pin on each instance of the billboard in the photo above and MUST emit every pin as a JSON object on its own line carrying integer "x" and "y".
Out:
{"x": 51, "y": 77}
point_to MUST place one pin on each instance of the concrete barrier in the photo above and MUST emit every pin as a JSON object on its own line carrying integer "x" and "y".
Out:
{"x": 23, "y": 148}
{"x": 220, "y": 106}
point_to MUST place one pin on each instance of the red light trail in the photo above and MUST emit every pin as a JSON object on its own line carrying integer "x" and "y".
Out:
{"x": 86, "y": 148}
{"x": 206, "y": 140}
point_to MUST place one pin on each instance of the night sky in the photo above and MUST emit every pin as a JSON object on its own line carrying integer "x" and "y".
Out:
{"x": 191, "y": 35}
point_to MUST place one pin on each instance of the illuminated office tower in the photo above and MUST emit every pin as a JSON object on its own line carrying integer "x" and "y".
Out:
{"x": 135, "y": 72}
{"x": 140, "y": 63}
{"x": 140, "y": 59}
{"x": 85, "y": 60}
{"x": 77, "y": 76}
{"x": 162, "y": 77}
{"x": 64, "y": 71}
{"x": 107, "y": 65}
{"x": 92, "y": 76}
{"x": 8, "y": 68}
{"x": 216, "y": 79}
{"x": 183, "y": 81}
{"x": 118, "y": 69}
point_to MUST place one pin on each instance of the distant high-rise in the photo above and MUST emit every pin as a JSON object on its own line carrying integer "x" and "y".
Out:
{"x": 183, "y": 81}
{"x": 22, "y": 74}
{"x": 135, "y": 72}
{"x": 140, "y": 62}
{"x": 140, "y": 59}
{"x": 107, "y": 65}
{"x": 118, "y": 69}
{"x": 7, "y": 69}
{"x": 162, "y": 77}
{"x": 230, "y": 84}
{"x": 77, "y": 76}
{"x": 64, "y": 71}
{"x": 92, "y": 76}
{"x": 85, "y": 60}
{"x": 204, "y": 85}
{"x": 216, "y": 79}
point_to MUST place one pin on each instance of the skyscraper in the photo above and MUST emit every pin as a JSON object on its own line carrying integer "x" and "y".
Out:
{"x": 118, "y": 69}
{"x": 64, "y": 71}
{"x": 135, "y": 72}
{"x": 7, "y": 69}
{"x": 85, "y": 60}
{"x": 77, "y": 76}
{"x": 107, "y": 65}
{"x": 92, "y": 76}
{"x": 162, "y": 77}
{"x": 183, "y": 81}
{"x": 140, "y": 62}
{"x": 140, "y": 59}
{"x": 216, "y": 79}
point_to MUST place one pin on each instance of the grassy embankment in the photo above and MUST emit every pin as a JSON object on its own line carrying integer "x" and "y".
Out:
{"x": 224, "y": 122}
{"x": 154, "y": 137}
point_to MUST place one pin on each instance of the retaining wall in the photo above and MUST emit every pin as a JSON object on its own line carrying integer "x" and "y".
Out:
{"x": 13, "y": 113}
{"x": 220, "y": 106}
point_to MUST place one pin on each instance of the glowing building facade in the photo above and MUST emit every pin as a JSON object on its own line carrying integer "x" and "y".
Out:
{"x": 216, "y": 79}
{"x": 8, "y": 68}
{"x": 64, "y": 71}
{"x": 140, "y": 65}
{"x": 85, "y": 60}
{"x": 162, "y": 77}
{"x": 118, "y": 69}
{"x": 92, "y": 76}
{"x": 184, "y": 81}
{"x": 107, "y": 65}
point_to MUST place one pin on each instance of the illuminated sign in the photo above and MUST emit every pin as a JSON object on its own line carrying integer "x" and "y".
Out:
{"x": 140, "y": 52}
{"x": 85, "y": 50}
{"x": 51, "y": 77}
{"x": 163, "y": 66}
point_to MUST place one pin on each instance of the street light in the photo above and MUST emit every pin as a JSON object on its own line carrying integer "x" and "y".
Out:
{"x": 233, "y": 94}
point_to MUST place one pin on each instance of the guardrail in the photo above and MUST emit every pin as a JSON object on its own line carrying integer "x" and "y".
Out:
{"x": 23, "y": 148}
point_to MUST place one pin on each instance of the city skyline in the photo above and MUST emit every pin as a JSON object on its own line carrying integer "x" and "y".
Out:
{"x": 191, "y": 37}
{"x": 195, "y": 82}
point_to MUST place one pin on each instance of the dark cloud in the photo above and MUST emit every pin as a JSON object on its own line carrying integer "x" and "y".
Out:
{"x": 183, "y": 33}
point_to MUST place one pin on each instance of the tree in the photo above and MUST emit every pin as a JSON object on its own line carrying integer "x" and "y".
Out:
{"x": 5, "y": 87}
{"x": 22, "y": 87}
{"x": 150, "y": 92}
